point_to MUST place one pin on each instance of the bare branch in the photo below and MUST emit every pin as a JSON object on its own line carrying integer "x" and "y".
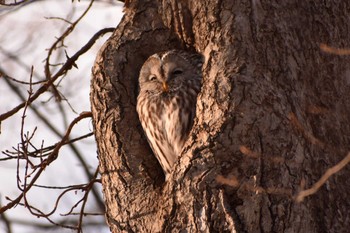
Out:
{"x": 6, "y": 221}
{"x": 45, "y": 151}
{"x": 55, "y": 46}
{"x": 42, "y": 152}
{"x": 15, "y": 3}
{"x": 336, "y": 51}
{"x": 67, "y": 66}
{"x": 46, "y": 162}
{"x": 331, "y": 171}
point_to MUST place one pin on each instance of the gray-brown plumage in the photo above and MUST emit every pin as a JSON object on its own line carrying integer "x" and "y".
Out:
{"x": 166, "y": 104}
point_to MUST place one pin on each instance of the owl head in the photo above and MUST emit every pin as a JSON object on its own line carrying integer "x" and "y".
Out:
{"x": 169, "y": 71}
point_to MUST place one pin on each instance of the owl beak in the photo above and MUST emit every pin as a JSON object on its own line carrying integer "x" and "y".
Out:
{"x": 165, "y": 87}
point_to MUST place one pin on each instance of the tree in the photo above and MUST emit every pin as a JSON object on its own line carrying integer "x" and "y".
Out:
{"x": 272, "y": 117}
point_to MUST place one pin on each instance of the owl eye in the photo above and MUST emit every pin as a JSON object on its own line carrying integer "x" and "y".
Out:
{"x": 177, "y": 72}
{"x": 152, "y": 78}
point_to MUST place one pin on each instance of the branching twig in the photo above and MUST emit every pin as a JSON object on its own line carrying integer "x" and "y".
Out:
{"x": 15, "y": 3}
{"x": 54, "y": 129}
{"x": 28, "y": 171}
{"x": 55, "y": 46}
{"x": 46, "y": 162}
{"x": 42, "y": 152}
{"x": 300, "y": 197}
{"x": 67, "y": 65}
{"x": 234, "y": 182}
{"x": 82, "y": 210}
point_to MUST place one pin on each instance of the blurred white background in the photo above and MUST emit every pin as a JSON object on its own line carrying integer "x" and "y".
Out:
{"x": 26, "y": 32}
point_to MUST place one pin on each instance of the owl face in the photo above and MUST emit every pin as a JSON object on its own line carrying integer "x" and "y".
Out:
{"x": 165, "y": 73}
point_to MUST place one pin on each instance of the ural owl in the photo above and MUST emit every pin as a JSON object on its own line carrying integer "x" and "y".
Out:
{"x": 166, "y": 104}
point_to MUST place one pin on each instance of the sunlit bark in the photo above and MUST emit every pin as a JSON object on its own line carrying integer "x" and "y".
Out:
{"x": 272, "y": 116}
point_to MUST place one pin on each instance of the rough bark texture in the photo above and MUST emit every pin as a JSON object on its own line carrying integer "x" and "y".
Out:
{"x": 272, "y": 116}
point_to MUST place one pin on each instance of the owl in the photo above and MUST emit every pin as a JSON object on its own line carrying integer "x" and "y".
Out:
{"x": 166, "y": 105}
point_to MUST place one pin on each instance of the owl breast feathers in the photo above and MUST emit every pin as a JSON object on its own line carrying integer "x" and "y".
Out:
{"x": 166, "y": 104}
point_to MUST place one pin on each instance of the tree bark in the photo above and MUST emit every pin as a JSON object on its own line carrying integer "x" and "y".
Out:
{"x": 272, "y": 116}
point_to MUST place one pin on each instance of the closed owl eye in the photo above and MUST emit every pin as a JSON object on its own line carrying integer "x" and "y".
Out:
{"x": 152, "y": 78}
{"x": 177, "y": 72}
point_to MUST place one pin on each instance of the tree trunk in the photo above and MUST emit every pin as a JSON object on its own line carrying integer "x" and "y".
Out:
{"x": 272, "y": 116}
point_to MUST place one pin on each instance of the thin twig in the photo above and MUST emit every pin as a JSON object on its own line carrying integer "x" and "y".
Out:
{"x": 59, "y": 134}
{"x": 333, "y": 50}
{"x": 14, "y": 3}
{"x": 87, "y": 191}
{"x": 44, "y": 151}
{"x": 46, "y": 162}
{"x": 300, "y": 197}
{"x": 6, "y": 221}
{"x": 67, "y": 65}
{"x": 61, "y": 38}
